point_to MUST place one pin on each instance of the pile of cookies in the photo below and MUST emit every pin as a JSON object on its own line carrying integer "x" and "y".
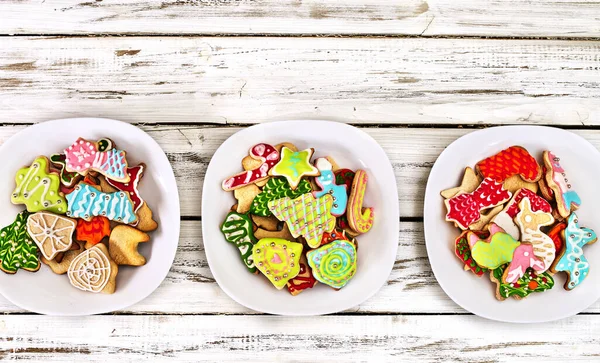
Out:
{"x": 84, "y": 216}
{"x": 296, "y": 222}
{"x": 518, "y": 223}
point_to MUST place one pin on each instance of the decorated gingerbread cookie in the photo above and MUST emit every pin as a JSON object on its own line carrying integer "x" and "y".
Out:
{"x": 494, "y": 251}
{"x": 87, "y": 201}
{"x": 512, "y": 161}
{"x": 38, "y": 188}
{"x": 68, "y": 179}
{"x": 571, "y": 259}
{"x": 333, "y": 264}
{"x": 131, "y": 187}
{"x": 505, "y": 219}
{"x": 304, "y": 280}
{"x": 529, "y": 223}
{"x": 567, "y": 200}
{"x": 465, "y": 209}
{"x": 294, "y": 165}
{"x": 17, "y": 249}
{"x": 327, "y": 184}
{"x": 276, "y": 188}
{"x": 93, "y": 270}
{"x": 277, "y": 259}
{"x": 305, "y": 216}
{"x": 360, "y": 219}
{"x": 267, "y": 155}
{"x": 556, "y": 234}
{"x": 462, "y": 250}
{"x": 84, "y": 156}
{"x": 93, "y": 231}
{"x": 52, "y": 233}
{"x": 237, "y": 229}
{"x": 529, "y": 283}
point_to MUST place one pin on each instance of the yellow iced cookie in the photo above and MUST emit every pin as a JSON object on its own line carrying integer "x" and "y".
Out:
{"x": 277, "y": 259}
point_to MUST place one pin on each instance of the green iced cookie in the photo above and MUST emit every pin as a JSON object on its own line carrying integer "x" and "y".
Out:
{"x": 238, "y": 230}
{"x": 276, "y": 188}
{"x": 17, "y": 249}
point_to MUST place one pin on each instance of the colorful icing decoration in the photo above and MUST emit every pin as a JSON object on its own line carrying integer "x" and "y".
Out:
{"x": 276, "y": 188}
{"x": 277, "y": 259}
{"x": 523, "y": 258}
{"x": 267, "y": 155}
{"x": 462, "y": 250}
{"x": 465, "y": 209}
{"x": 52, "y": 233}
{"x": 305, "y": 216}
{"x": 344, "y": 177}
{"x": 336, "y": 234}
{"x": 237, "y": 229}
{"x": 85, "y": 155}
{"x": 529, "y": 223}
{"x": 333, "y": 264}
{"x": 304, "y": 280}
{"x": 135, "y": 175}
{"x": 566, "y": 200}
{"x": 92, "y": 231}
{"x": 17, "y": 250}
{"x": 326, "y": 182}
{"x": 38, "y": 188}
{"x": 294, "y": 165}
{"x": 494, "y": 251}
{"x": 556, "y": 234}
{"x": 91, "y": 270}
{"x": 67, "y": 179}
{"x": 571, "y": 259}
{"x": 360, "y": 219}
{"x": 86, "y": 202}
{"x": 505, "y": 219}
{"x": 529, "y": 283}
{"x": 512, "y": 161}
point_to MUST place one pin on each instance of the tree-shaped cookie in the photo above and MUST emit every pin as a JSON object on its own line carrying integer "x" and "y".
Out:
{"x": 276, "y": 188}
{"x": 38, "y": 188}
{"x": 17, "y": 250}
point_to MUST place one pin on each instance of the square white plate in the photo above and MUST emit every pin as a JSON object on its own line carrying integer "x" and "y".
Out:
{"x": 47, "y": 293}
{"x": 581, "y": 161}
{"x": 351, "y": 148}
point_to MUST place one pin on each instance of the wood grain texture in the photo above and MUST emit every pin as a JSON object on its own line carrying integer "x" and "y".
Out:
{"x": 543, "y": 18}
{"x": 250, "y": 80}
{"x": 191, "y": 289}
{"x": 270, "y": 339}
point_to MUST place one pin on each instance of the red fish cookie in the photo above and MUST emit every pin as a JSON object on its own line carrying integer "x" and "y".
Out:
{"x": 512, "y": 161}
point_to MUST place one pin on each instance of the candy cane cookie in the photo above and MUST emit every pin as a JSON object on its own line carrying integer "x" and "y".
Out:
{"x": 359, "y": 218}
{"x": 265, "y": 153}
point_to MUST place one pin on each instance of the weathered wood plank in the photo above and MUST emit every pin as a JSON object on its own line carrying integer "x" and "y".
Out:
{"x": 267, "y": 339}
{"x": 250, "y": 80}
{"x": 543, "y": 18}
{"x": 190, "y": 287}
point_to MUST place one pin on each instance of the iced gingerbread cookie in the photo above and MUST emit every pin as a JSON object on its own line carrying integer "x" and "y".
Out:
{"x": 327, "y": 182}
{"x": 529, "y": 283}
{"x": 571, "y": 259}
{"x": 556, "y": 234}
{"x": 462, "y": 250}
{"x": 276, "y": 188}
{"x": 39, "y": 189}
{"x": 505, "y": 219}
{"x": 237, "y": 229}
{"x": 93, "y": 231}
{"x": 304, "y": 280}
{"x": 567, "y": 200}
{"x": 267, "y": 155}
{"x": 360, "y": 219}
{"x": 512, "y": 161}
{"x": 17, "y": 250}
{"x": 52, "y": 233}
{"x": 131, "y": 187}
{"x": 529, "y": 223}
{"x": 277, "y": 259}
{"x": 93, "y": 270}
{"x": 333, "y": 264}
{"x": 294, "y": 165}
{"x": 86, "y": 202}
{"x": 305, "y": 216}
{"x": 85, "y": 156}
{"x": 68, "y": 179}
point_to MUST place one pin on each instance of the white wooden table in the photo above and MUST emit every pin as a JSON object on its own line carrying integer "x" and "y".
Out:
{"x": 416, "y": 74}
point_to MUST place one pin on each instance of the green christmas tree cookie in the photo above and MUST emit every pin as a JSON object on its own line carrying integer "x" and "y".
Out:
{"x": 17, "y": 249}
{"x": 276, "y": 188}
{"x": 39, "y": 189}
{"x": 238, "y": 230}
{"x": 530, "y": 282}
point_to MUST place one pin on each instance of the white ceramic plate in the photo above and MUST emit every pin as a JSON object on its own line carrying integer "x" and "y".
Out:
{"x": 581, "y": 161}
{"x": 47, "y": 293}
{"x": 352, "y": 149}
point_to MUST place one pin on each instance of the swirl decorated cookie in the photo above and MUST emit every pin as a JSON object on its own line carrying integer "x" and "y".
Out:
{"x": 333, "y": 264}
{"x": 277, "y": 259}
{"x": 94, "y": 271}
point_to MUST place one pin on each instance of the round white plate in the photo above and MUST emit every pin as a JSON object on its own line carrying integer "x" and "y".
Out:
{"x": 47, "y": 293}
{"x": 581, "y": 161}
{"x": 351, "y": 148}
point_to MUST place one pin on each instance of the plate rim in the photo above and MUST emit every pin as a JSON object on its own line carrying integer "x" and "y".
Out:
{"x": 177, "y": 228}
{"x": 433, "y": 194}
{"x": 323, "y": 311}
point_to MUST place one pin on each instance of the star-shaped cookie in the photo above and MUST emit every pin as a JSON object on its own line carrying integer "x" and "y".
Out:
{"x": 294, "y": 165}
